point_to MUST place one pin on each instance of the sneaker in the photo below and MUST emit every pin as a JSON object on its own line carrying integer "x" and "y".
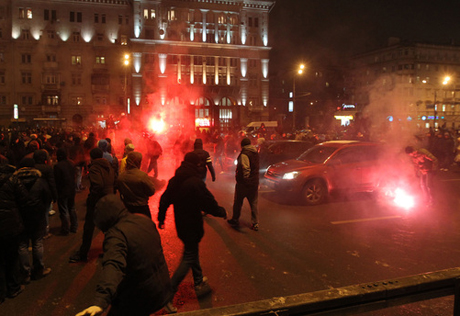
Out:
{"x": 233, "y": 222}
{"x": 170, "y": 308}
{"x": 255, "y": 227}
{"x": 47, "y": 236}
{"x": 13, "y": 295}
{"x": 203, "y": 288}
{"x": 52, "y": 212}
{"x": 77, "y": 258}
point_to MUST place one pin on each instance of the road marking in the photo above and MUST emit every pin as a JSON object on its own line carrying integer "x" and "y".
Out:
{"x": 365, "y": 220}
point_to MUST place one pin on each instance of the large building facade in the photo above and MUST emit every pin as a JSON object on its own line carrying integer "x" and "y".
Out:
{"x": 409, "y": 82}
{"x": 78, "y": 61}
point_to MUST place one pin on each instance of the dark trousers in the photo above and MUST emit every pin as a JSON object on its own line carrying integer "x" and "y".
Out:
{"x": 142, "y": 209}
{"x": 9, "y": 266}
{"x": 88, "y": 227}
{"x": 153, "y": 165}
{"x": 67, "y": 214}
{"x": 190, "y": 260}
{"x": 251, "y": 193}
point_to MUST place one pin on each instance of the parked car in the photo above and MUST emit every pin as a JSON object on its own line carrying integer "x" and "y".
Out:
{"x": 271, "y": 152}
{"x": 352, "y": 166}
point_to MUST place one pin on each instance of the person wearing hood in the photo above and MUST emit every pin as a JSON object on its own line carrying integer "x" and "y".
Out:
{"x": 135, "y": 277}
{"x": 64, "y": 174}
{"x": 247, "y": 183}
{"x": 189, "y": 195}
{"x": 135, "y": 186}
{"x": 102, "y": 180}
{"x": 32, "y": 207}
{"x": 11, "y": 191}
{"x": 205, "y": 159}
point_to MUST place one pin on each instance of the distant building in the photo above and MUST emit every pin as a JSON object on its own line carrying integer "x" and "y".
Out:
{"x": 187, "y": 61}
{"x": 406, "y": 82}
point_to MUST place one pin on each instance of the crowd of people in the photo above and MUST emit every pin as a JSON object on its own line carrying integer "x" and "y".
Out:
{"x": 42, "y": 167}
{"x": 45, "y": 166}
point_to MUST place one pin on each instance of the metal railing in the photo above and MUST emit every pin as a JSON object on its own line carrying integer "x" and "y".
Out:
{"x": 353, "y": 299}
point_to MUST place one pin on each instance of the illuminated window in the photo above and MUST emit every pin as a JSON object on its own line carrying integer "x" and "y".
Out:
{"x": 77, "y": 100}
{"x": 152, "y": 13}
{"x": 29, "y": 13}
{"x": 100, "y": 59}
{"x": 76, "y": 60}
{"x": 124, "y": 40}
{"x": 172, "y": 15}
{"x": 146, "y": 14}
{"x": 26, "y": 77}
{"x": 52, "y": 100}
{"x": 221, "y": 19}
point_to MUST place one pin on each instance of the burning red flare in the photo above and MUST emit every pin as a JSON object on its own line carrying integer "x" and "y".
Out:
{"x": 157, "y": 125}
{"x": 402, "y": 199}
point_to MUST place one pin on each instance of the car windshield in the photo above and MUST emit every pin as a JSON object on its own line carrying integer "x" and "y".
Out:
{"x": 317, "y": 154}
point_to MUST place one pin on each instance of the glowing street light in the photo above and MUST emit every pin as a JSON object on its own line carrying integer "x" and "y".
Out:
{"x": 126, "y": 64}
{"x": 299, "y": 72}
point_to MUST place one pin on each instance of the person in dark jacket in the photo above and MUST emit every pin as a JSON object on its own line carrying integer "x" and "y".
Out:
{"x": 102, "y": 178}
{"x": 10, "y": 228}
{"x": 247, "y": 183}
{"x": 154, "y": 151}
{"x": 205, "y": 160}
{"x": 135, "y": 186}
{"x": 135, "y": 277}
{"x": 32, "y": 207}
{"x": 64, "y": 175}
{"x": 42, "y": 163}
{"x": 189, "y": 195}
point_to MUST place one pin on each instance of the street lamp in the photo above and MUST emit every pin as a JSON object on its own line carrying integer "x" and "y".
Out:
{"x": 299, "y": 72}
{"x": 126, "y": 64}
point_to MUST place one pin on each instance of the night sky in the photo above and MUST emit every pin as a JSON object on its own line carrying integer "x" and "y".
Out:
{"x": 323, "y": 32}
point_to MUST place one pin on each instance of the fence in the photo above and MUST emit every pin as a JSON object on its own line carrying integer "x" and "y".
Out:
{"x": 351, "y": 300}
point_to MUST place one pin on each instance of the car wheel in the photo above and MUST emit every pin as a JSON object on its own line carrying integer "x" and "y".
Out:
{"x": 314, "y": 192}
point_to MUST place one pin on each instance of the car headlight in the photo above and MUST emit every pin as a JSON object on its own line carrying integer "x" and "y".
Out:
{"x": 290, "y": 175}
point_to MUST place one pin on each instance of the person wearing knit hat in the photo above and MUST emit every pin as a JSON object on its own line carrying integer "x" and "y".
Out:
{"x": 247, "y": 184}
{"x": 135, "y": 186}
{"x": 128, "y": 148}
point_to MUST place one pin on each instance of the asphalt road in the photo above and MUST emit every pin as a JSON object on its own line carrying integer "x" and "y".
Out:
{"x": 298, "y": 249}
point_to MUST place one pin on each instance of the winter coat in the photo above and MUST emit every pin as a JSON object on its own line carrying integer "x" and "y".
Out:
{"x": 135, "y": 277}
{"x": 11, "y": 190}
{"x": 64, "y": 175}
{"x": 102, "y": 179}
{"x": 247, "y": 169}
{"x": 48, "y": 175}
{"x": 135, "y": 187}
{"x": 37, "y": 197}
{"x": 189, "y": 195}
{"x": 205, "y": 159}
